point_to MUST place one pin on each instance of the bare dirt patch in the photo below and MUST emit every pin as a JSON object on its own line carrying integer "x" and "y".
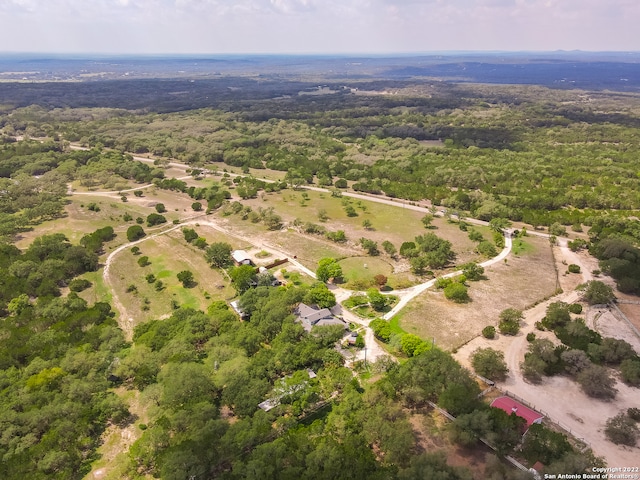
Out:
{"x": 632, "y": 311}
{"x": 522, "y": 281}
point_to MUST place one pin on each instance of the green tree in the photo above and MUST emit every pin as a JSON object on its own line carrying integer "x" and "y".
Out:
{"x": 489, "y": 363}
{"x": 457, "y": 292}
{"x": 328, "y": 268}
{"x": 242, "y": 277}
{"x": 597, "y": 382}
{"x": 486, "y": 249}
{"x": 557, "y": 230}
{"x": 320, "y": 295}
{"x": 376, "y": 299}
{"x": 511, "y": 315}
{"x": 473, "y": 271}
{"x": 499, "y": 224}
{"x": 186, "y": 278}
{"x": 489, "y": 332}
{"x": 389, "y": 248}
{"x": 144, "y": 261}
{"x": 160, "y": 208}
{"x": 427, "y": 220}
{"x": 622, "y": 430}
{"x": 196, "y": 206}
{"x": 370, "y": 246}
{"x": 596, "y": 292}
{"x": 218, "y": 254}
{"x": 544, "y": 445}
{"x": 135, "y": 232}
{"x": 630, "y": 371}
{"x": 155, "y": 219}
{"x": 557, "y": 315}
{"x": 189, "y": 234}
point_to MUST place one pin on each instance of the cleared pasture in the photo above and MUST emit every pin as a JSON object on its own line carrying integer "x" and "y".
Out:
{"x": 522, "y": 281}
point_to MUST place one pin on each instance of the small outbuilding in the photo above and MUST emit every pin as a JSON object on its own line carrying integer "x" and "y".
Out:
{"x": 241, "y": 257}
{"x": 510, "y": 406}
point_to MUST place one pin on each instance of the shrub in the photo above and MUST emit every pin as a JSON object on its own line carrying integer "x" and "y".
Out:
{"x": 489, "y": 332}
{"x": 573, "y": 268}
{"x": 509, "y": 327}
{"x": 135, "y": 232}
{"x": 622, "y": 430}
{"x": 596, "y": 382}
{"x": 443, "y": 282}
{"x": 575, "y": 308}
{"x": 531, "y": 337}
{"x": 79, "y": 284}
{"x": 155, "y": 219}
{"x": 634, "y": 414}
{"x": 630, "y": 371}
{"x": 144, "y": 261}
{"x": 489, "y": 363}
{"x": 457, "y": 292}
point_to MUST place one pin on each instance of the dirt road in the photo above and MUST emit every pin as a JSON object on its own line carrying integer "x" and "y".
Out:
{"x": 559, "y": 398}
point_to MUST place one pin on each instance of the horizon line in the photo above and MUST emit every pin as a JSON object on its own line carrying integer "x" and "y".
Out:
{"x": 313, "y": 54}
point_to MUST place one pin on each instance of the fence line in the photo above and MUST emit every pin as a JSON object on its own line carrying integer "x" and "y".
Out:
{"x": 548, "y": 417}
{"x": 624, "y": 317}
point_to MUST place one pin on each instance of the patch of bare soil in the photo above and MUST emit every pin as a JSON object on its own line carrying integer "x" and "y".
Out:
{"x": 631, "y": 311}
{"x": 609, "y": 323}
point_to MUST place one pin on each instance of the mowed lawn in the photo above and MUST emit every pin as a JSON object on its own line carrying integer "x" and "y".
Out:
{"x": 359, "y": 273}
{"x": 168, "y": 254}
{"x": 525, "y": 279}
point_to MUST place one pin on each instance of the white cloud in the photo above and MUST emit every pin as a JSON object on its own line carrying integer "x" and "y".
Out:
{"x": 219, "y": 26}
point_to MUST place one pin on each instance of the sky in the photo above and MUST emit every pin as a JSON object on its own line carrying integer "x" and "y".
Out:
{"x": 316, "y": 26}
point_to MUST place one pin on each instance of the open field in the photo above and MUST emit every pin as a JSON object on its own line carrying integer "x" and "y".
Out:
{"x": 359, "y": 273}
{"x": 148, "y": 303}
{"x": 79, "y": 220}
{"x": 523, "y": 280}
{"x": 391, "y": 223}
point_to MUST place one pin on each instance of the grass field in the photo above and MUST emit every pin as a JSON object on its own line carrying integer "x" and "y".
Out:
{"x": 168, "y": 255}
{"x": 359, "y": 273}
{"x": 523, "y": 280}
{"x": 79, "y": 220}
{"x": 388, "y": 222}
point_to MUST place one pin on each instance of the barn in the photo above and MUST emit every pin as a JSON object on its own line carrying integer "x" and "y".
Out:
{"x": 510, "y": 406}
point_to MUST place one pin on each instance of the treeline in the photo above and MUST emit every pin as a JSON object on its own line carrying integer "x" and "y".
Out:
{"x": 56, "y": 355}
{"x": 615, "y": 243}
{"x": 34, "y": 179}
{"x": 535, "y": 159}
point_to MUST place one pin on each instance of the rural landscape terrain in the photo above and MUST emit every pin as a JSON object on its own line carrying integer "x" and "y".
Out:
{"x": 315, "y": 267}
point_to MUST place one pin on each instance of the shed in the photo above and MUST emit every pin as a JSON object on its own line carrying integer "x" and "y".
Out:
{"x": 510, "y": 406}
{"x": 241, "y": 257}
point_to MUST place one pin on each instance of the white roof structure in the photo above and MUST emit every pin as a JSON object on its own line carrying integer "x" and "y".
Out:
{"x": 241, "y": 257}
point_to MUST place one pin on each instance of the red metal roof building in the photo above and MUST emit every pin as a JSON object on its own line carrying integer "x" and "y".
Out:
{"x": 510, "y": 406}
